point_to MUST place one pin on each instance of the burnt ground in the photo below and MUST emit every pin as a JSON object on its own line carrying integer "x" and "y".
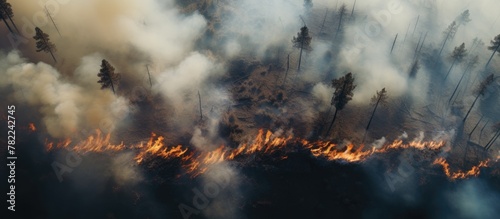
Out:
{"x": 300, "y": 186}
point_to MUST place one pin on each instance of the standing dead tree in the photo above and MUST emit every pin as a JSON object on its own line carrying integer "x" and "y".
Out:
{"x": 342, "y": 95}
{"x": 287, "y": 68}
{"x": 149, "y": 76}
{"x": 481, "y": 89}
{"x": 477, "y": 124}
{"x": 52, "y": 20}
{"x": 450, "y": 33}
{"x": 422, "y": 44}
{"x": 416, "y": 48}
{"x": 201, "y": 112}
{"x": 496, "y": 128}
{"x": 43, "y": 43}
{"x": 379, "y": 98}
{"x": 323, "y": 23}
{"x": 108, "y": 76}
{"x": 3, "y": 16}
{"x": 416, "y": 24}
{"x": 481, "y": 132}
{"x": 342, "y": 12}
{"x": 470, "y": 64}
{"x": 352, "y": 11}
{"x": 394, "y": 43}
{"x": 406, "y": 34}
{"x": 302, "y": 41}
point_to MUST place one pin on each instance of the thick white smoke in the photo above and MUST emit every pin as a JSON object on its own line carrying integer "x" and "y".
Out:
{"x": 368, "y": 37}
{"x": 66, "y": 107}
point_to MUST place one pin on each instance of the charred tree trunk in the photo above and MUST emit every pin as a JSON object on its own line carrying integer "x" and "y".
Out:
{"x": 481, "y": 119}
{"x": 416, "y": 48}
{"x": 470, "y": 109}
{"x": 371, "y": 118}
{"x": 287, "y": 67}
{"x": 449, "y": 70}
{"x": 149, "y": 75}
{"x": 416, "y": 24}
{"x": 444, "y": 43}
{"x": 324, "y": 122}
{"x": 491, "y": 57}
{"x": 340, "y": 24}
{"x": 8, "y": 26}
{"x": 14, "y": 24}
{"x": 492, "y": 140}
{"x": 53, "y": 57}
{"x": 300, "y": 55}
{"x": 323, "y": 24}
{"x": 113, "y": 87}
{"x": 353, "y": 6}
{"x": 422, "y": 44}
{"x": 481, "y": 132}
{"x": 199, "y": 98}
{"x": 458, "y": 85}
{"x": 406, "y": 34}
{"x": 52, "y": 20}
{"x": 333, "y": 121}
{"x": 394, "y": 43}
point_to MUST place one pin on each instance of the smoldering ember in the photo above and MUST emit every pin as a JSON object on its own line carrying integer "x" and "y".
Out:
{"x": 250, "y": 109}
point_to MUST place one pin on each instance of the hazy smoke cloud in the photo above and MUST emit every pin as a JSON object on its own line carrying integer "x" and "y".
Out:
{"x": 66, "y": 107}
{"x": 472, "y": 199}
{"x": 187, "y": 53}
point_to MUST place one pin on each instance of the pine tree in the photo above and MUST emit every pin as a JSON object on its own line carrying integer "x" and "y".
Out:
{"x": 450, "y": 33}
{"x": 342, "y": 12}
{"x": 495, "y": 46}
{"x": 342, "y": 94}
{"x": 480, "y": 90}
{"x": 43, "y": 43}
{"x": 458, "y": 56}
{"x": 302, "y": 41}
{"x": 6, "y": 13}
{"x": 7, "y": 7}
{"x": 108, "y": 76}
{"x": 308, "y": 4}
{"x": 463, "y": 18}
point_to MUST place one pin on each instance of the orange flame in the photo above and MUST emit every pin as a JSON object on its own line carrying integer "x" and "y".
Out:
{"x": 474, "y": 171}
{"x": 156, "y": 147}
{"x": 266, "y": 142}
{"x": 96, "y": 143}
{"x": 62, "y": 144}
{"x": 32, "y": 127}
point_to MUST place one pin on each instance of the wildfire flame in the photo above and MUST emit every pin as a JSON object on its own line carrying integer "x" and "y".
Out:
{"x": 155, "y": 146}
{"x": 474, "y": 171}
{"x": 94, "y": 143}
{"x": 266, "y": 142}
{"x": 32, "y": 127}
